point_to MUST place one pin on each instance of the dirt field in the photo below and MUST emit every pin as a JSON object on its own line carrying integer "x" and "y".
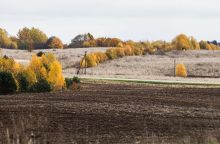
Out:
{"x": 202, "y": 66}
{"x": 103, "y": 113}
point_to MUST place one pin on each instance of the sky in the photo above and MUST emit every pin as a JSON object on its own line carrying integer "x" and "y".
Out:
{"x": 137, "y": 20}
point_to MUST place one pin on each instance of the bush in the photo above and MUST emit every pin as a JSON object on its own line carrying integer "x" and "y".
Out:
{"x": 55, "y": 76}
{"x": 54, "y": 42}
{"x": 101, "y": 57}
{"x": 111, "y": 53}
{"x": 8, "y": 83}
{"x": 41, "y": 86}
{"x": 120, "y": 52}
{"x": 40, "y": 53}
{"x": 89, "y": 61}
{"x": 93, "y": 59}
{"x": 70, "y": 81}
{"x": 9, "y": 65}
{"x": 181, "y": 70}
{"x": 128, "y": 51}
{"x": 182, "y": 42}
{"x": 138, "y": 51}
{"x": 76, "y": 79}
{"x": 23, "y": 82}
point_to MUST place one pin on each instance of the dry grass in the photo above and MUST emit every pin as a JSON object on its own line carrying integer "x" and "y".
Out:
{"x": 161, "y": 66}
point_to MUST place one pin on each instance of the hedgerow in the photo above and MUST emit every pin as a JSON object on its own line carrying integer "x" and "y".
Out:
{"x": 93, "y": 59}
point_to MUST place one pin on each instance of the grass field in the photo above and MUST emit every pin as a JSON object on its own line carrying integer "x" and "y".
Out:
{"x": 202, "y": 66}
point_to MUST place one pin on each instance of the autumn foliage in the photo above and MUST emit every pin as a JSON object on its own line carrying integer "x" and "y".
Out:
{"x": 42, "y": 74}
{"x": 181, "y": 70}
{"x": 93, "y": 59}
{"x": 31, "y": 38}
{"x": 54, "y": 42}
{"x": 6, "y": 41}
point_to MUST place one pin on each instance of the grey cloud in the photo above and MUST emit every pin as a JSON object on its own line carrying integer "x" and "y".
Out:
{"x": 126, "y": 19}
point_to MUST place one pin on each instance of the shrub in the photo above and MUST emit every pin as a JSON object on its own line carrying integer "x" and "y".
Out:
{"x": 111, "y": 53}
{"x": 120, "y": 52}
{"x": 138, "y": 51}
{"x": 9, "y": 65}
{"x": 181, "y": 70}
{"x": 30, "y": 76}
{"x": 182, "y": 42}
{"x": 128, "y": 51}
{"x": 8, "y": 83}
{"x": 70, "y": 81}
{"x": 195, "y": 45}
{"x": 54, "y": 42}
{"x": 101, "y": 57}
{"x": 76, "y": 79}
{"x": 86, "y": 44}
{"x": 40, "y": 54}
{"x": 23, "y": 82}
{"x": 89, "y": 61}
{"x": 93, "y": 59}
{"x": 47, "y": 67}
{"x": 55, "y": 76}
{"x": 41, "y": 86}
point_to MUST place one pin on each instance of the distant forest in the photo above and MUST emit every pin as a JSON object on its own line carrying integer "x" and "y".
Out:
{"x": 33, "y": 38}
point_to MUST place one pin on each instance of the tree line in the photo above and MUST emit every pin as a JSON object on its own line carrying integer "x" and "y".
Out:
{"x": 131, "y": 48}
{"x": 34, "y": 38}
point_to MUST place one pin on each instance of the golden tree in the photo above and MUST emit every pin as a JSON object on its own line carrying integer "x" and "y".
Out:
{"x": 30, "y": 75}
{"x": 6, "y": 41}
{"x": 54, "y": 42}
{"x": 120, "y": 52}
{"x": 111, "y": 53}
{"x": 182, "y": 42}
{"x": 181, "y": 70}
{"x": 9, "y": 65}
{"x": 32, "y": 38}
{"x": 194, "y": 43}
{"x": 55, "y": 76}
{"x": 36, "y": 66}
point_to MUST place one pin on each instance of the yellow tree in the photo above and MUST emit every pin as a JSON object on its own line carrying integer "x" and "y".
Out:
{"x": 55, "y": 76}
{"x": 36, "y": 66}
{"x": 181, "y": 70}
{"x": 195, "y": 44}
{"x": 9, "y": 65}
{"x": 30, "y": 75}
{"x": 182, "y": 42}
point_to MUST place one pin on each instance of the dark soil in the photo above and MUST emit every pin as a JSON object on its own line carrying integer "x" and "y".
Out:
{"x": 112, "y": 113}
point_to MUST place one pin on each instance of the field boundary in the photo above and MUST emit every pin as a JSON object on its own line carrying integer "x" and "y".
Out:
{"x": 165, "y": 82}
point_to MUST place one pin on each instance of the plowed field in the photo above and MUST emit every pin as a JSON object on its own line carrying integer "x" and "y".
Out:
{"x": 112, "y": 113}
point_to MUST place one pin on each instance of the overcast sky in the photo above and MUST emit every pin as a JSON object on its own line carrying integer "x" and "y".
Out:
{"x": 126, "y": 19}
